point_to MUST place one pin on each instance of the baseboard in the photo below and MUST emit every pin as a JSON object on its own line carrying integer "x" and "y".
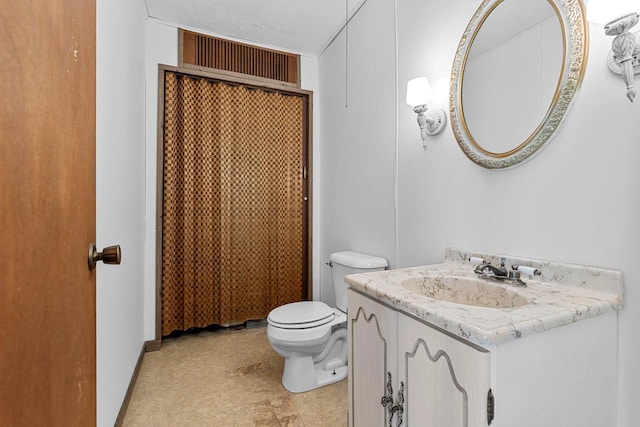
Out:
{"x": 152, "y": 345}
{"x": 132, "y": 383}
{"x": 249, "y": 324}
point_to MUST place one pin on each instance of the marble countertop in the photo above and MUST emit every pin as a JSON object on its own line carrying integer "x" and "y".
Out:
{"x": 563, "y": 294}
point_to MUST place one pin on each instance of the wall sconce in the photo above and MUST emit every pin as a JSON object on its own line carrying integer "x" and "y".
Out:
{"x": 431, "y": 122}
{"x": 624, "y": 58}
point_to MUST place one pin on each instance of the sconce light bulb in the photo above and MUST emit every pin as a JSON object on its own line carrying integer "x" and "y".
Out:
{"x": 418, "y": 92}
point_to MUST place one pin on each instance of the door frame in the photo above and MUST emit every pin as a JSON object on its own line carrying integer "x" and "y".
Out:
{"x": 307, "y": 180}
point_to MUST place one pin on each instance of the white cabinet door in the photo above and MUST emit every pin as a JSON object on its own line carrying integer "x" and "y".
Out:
{"x": 372, "y": 356}
{"x": 446, "y": 380}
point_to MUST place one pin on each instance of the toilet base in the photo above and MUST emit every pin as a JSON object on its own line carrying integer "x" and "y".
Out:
{"x": 301, "y": 374}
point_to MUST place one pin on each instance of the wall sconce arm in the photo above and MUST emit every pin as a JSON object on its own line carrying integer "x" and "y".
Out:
{"x": 431, "y": 122}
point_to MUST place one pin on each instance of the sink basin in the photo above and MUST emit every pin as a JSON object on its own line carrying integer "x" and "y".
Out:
{"x": 466, "y": 290}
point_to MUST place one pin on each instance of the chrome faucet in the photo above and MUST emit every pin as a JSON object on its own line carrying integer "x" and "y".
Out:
{"x": 487, "y": 270}
{"x": 491, "y": 272}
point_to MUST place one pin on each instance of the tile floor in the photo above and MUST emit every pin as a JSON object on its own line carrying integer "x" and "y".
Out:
{"x": 226, "y": 378}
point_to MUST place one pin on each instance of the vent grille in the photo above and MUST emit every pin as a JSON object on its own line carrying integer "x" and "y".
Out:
{"x": 220, "y": 54}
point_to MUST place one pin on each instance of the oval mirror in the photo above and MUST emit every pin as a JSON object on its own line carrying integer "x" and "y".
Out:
{"x": 516, "y": 71}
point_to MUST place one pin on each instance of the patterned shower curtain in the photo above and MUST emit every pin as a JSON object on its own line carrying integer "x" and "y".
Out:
{"x": 232, "y": 225}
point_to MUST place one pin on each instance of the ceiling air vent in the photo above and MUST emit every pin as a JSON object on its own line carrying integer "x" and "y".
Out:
{"x": 226, "y": 55}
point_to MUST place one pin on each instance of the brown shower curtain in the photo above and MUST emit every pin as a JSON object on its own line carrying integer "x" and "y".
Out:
{"x": 233, "y": 226}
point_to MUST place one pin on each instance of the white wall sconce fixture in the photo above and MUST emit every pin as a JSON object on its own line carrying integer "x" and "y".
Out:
{"x": 431, "y": 122}
{"x": 624, "y": 58}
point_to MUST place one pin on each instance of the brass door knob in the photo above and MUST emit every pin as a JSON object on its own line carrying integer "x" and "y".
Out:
{"x": 109, "y": 255}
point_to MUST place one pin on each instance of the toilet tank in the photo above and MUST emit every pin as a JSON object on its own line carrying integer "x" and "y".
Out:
{"x": 347, "y": 262}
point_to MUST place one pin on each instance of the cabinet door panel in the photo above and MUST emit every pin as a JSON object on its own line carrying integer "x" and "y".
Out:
{"x": 446, "y": 380}
{"x": 372, "y": 355}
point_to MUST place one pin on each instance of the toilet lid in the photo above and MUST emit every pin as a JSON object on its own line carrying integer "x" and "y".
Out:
{"x": 300, "y": 315}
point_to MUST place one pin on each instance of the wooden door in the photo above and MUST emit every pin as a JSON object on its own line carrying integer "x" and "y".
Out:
{"x": 47, "y": 213}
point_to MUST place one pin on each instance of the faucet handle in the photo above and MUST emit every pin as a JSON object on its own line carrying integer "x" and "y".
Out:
{"x": 526, "y": 270}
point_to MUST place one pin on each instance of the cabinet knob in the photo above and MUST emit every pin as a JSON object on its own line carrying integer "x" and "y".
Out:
{"x": 388, "y": 398}
{"x": 387, "y": 401}
{"x": 399, "y": 408}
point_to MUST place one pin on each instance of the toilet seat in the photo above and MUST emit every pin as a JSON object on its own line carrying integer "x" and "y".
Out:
{"x": 301, "y": 315}
{"x": 306, "y": 323}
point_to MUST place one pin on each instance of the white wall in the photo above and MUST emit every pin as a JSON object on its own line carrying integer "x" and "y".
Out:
{"x": 358, "y": 142}
{"x": 120, "y": 195}
{"x": 161, "y": 48}
{"x": 575, "y": 202}
{"x": 309, "y": 80}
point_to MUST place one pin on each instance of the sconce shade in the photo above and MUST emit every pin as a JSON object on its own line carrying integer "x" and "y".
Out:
{"x": 603, "y": 11}
{"x": 418, "y": 91}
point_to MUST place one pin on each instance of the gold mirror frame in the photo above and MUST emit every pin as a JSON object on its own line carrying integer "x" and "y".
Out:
{"x": 575, "y": 34}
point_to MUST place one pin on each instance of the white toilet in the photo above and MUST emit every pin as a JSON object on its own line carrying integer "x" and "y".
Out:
{"x": 311, "y": 336}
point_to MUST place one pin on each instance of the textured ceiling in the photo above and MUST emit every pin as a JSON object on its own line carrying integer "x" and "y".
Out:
{"x": 299, "y": 26}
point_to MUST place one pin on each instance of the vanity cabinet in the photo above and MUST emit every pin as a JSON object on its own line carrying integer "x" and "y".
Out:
{"x": 465, "y": 355}
{"x": 440, "y": 381}
{"x": 562, "y": 377}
